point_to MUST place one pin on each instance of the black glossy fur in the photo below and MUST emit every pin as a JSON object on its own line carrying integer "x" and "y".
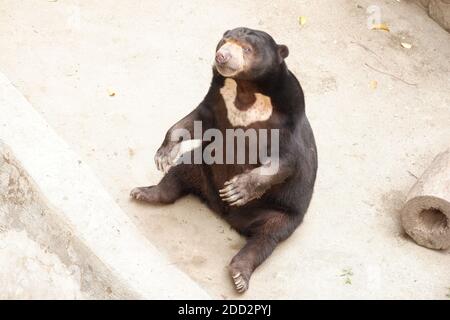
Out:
{"x": 283, "y": 198}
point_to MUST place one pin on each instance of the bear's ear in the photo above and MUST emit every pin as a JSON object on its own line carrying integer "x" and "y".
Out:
{"x": 225, "y": 33}
{"x": 283, "y": 51}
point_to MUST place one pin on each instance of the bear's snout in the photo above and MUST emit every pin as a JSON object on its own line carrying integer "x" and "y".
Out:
{"x": 222, "y": 57}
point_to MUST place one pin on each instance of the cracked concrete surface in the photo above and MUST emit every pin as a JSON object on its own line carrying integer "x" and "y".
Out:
{"x": 67, "y": 57}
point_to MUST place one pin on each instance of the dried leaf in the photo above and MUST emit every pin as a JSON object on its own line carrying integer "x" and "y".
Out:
{"x": 406, "y": 45}
{"x": 373, "y": 84}
{"x": 302, "y": 20}
{"x": 381, "y": 26}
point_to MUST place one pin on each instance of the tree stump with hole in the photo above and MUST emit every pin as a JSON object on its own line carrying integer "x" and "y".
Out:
{"x": 426, "y": 214}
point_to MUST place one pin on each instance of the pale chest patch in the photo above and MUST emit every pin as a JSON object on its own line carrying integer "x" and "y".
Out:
{"x": 260, "y": 110}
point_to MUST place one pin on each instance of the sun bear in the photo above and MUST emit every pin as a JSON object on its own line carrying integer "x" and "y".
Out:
{"x": 265, "y": 199}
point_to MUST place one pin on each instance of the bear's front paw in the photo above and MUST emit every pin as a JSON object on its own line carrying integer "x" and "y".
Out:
{"x": 166, "y": 157}
{"x": 241, "y": 189}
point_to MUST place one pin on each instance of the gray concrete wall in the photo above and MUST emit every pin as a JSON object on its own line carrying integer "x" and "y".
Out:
{"x": 29, "y": 221}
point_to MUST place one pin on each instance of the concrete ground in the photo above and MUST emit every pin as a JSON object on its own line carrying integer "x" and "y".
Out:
{"x": 68, "y": 57}
{"x": 48, "y": 193}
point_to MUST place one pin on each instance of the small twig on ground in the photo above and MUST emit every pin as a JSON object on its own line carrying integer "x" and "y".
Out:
{"x": 412, "y": 174}
{"x": 367, "y": 49}
{"x": 390, "y": 75}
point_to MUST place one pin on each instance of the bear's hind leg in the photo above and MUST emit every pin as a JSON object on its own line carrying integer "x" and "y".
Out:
{"x": 167, "y": 191}
{"x": 264, "y": 235}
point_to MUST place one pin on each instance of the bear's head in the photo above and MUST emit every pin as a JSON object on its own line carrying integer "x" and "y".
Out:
{"x": 248, "y": 54}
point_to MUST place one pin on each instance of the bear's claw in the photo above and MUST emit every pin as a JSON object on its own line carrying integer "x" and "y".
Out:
{"x": 240, "y": 283}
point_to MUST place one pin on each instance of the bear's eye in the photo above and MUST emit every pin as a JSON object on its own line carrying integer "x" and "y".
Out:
{"x": 247, "y": 49}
